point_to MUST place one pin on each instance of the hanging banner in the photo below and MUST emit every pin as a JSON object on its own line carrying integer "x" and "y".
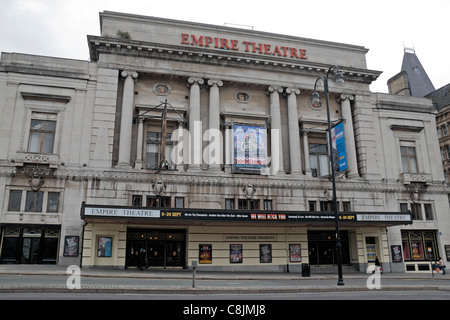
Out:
{"x": 338, "y": 143}
{"x": 249, "y": 147}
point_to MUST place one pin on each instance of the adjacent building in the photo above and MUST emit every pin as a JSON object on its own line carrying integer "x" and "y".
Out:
{"x": 182, "y": 143}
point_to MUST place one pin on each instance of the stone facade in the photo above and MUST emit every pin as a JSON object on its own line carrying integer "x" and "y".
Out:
{"x": 104, "y": 118}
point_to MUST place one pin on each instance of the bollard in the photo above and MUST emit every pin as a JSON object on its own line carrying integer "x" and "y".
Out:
{"x": 194, "y": 267}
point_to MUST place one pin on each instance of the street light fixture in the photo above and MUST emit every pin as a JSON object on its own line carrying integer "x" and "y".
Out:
{"x": 338, "y": 77}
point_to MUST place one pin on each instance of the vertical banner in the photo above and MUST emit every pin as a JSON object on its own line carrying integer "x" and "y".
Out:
{"x": 338, "y": 147}
{"x": 249, "y": 147}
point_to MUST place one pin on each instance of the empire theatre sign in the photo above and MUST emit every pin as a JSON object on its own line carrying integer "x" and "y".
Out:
{"x": 246, "y": 46}
{"x": 259, "y": 216}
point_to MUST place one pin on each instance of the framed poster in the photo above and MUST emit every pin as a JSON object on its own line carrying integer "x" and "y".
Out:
{"x": 396, "y": 253}
{"x": 265, "y": 253}
{"x": 235, "y": 253}
{"x": 447, "y": 251}
{"x": 71, "y": 246}
{"x": 104, "y": 247}
{"x": 249, "y": 148}
{"x": 295, "y": 253}
{"x": 205, "y": 253}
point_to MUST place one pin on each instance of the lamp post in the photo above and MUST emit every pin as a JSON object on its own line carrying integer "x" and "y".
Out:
{"x": 337, "y": 78}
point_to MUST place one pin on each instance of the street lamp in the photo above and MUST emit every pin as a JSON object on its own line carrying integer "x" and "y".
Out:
{"x": 338, "y": 77}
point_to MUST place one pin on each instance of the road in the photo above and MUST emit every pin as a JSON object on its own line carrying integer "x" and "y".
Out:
{"x": 352, "y": 295}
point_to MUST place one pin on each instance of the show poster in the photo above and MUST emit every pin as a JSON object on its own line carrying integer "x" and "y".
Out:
{"x": 104, "y": 247}
{"x": 205, "y": 253}
{"x": 249, "y": 147}
{"x": 338, "y": 143}
{"x": 71, "y": 246}
{"x": 265, "y": 253}
{"x": 295, "y": 253}
{"x": 235, "y": 253}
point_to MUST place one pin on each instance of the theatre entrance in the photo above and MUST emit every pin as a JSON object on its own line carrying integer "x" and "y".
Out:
{"x": 156, "y": 248}
{"x": 322, "y": 248}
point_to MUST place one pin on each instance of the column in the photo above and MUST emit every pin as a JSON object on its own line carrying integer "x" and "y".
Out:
{"x": 350, "y": 145}
{"x": 306, "y": 153}
{"x": 139, "y": 147}
{"x": 214, "y": 151}
{"x": 294, "y": 131}
{"x": 275, "y": 133}
{"x": 126, "y": 121}
{"x": 195, "y": 127}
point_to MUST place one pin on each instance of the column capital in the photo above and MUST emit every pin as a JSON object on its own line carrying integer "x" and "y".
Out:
{"x": 126, "y": 74}
{"x": 292, "y": 91}
{"x": 272, "y": 89}
{"x": 198, "y": 81}
{"x": 345, "y": 96}
{"x": 213, "y": 83}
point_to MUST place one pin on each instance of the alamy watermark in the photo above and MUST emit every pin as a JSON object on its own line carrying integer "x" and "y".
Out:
{"x": 374, "y": 280}
{"x": 74, "y": 279}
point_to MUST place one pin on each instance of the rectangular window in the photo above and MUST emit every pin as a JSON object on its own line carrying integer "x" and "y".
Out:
{"x": 156, "y": 202}
{"x": 312, "y": 205}
{"x": 153, "y": 148}
{"x": 267, "y": 204}
{"x": 404, "y": 207}
{"x": 417, "y": 243}
{"x": 318, "y": 158}
{"x": 242, "y": 204}
{"x": 179, "y": 202}
{"x": 428, "y": 211}
{"x": 409, "y": 162}
{"x": 346, "y": 206}
{"x": 416, "y": 210}
{"x": 34, "y": 201}
{"x": 42, "y": 136}
{"x": 53, "y": 202}
{"x": 229, "y": 204}
{"x": 15, "y": 198}
{"x": 136, "y": 201}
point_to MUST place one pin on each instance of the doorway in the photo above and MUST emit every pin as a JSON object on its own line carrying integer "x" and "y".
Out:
{"x": 156, "y": 247}
{"x": 322, "y": 248}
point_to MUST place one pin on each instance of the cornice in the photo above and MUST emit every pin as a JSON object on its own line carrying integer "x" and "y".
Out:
{"x": 107, "y": 45}
{"x": 177, "y": 178}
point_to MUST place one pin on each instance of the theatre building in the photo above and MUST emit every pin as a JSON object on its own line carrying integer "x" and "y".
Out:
{"x": 180, "y": 143}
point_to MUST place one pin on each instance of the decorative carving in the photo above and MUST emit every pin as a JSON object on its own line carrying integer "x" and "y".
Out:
{"x": 249, "y": 191}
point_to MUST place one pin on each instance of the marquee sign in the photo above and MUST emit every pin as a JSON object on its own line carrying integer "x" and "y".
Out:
{"x": 245, "y": 46}
{"x": 96, "y": 211}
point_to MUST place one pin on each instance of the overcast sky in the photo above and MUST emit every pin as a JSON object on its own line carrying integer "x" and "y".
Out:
{"x": 59, "y": 28}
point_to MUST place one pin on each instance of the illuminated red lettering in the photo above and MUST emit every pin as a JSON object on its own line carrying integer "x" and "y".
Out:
{"x": 276, "y": 51}
{"x": 294, "y": 53}
{"x": 184, "y": 38}
{"x": 224, "y": 44}
{"x": 234, "y": 45}
{"x": 197, "y": 42}
{"x": 259, "y": 47}
{"x": 267, "y": 48}
{"x": 303, "y": 54}
{"x": 246, "y": 43}
{"x": 208, "y": 40}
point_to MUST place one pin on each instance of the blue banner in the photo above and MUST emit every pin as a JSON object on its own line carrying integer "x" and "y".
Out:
{"x": 338, "y": 142}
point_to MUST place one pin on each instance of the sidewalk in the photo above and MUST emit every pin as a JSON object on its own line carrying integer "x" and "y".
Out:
{"x": 180, "y": 281}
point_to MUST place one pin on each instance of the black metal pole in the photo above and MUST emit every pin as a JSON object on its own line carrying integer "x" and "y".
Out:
{"x": 333, "y": 181}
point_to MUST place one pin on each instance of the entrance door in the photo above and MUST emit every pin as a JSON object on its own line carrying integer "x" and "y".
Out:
{"x": 322, "y": 248}
{"x": 155, "y": 253}
{"x": 164, "y": 248}
{"x": 326, "y": 251}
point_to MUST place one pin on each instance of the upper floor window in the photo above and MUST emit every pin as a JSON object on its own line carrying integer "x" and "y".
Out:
{"x": 153, "y": 150}
{"x": 318, "y": 159}
{"x": 409, "y": 162}
{"x": 42, "y": 136}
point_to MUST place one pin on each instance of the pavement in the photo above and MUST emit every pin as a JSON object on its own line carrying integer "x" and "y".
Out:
{"x": 51, "y": 278}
